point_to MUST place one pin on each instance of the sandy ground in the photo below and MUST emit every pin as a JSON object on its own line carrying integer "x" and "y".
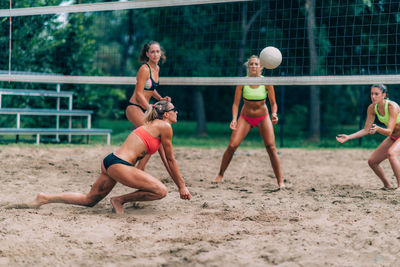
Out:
{"x": 332, "y": 214}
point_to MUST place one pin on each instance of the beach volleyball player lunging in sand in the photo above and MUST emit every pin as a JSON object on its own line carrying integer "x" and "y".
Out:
{"x": 120, "y": 166}
{"x": 388, "y": 112}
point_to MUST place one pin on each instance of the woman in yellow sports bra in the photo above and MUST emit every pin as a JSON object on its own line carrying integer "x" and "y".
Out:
{"x": 388, "y": 112}
{"x": 146, "y": 87}
{"x": 254, "y": 113}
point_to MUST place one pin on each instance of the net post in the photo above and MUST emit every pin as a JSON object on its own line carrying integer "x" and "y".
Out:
{"x": 58, "y": 89}
{"x": 10, "y": 45}
{"x": 282, "y": 121}
{"x": 360, "y": 123}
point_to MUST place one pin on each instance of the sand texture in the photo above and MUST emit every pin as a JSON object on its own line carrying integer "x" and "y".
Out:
{"x": 333, "y": 212}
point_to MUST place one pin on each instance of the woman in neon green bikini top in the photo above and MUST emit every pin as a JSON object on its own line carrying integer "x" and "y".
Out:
{"x": 388, "y": 112}
{"x": 254, "y": 113}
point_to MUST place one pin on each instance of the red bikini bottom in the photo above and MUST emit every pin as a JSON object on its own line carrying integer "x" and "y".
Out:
{"x": 254, "y": 121}
{"x": 394, "y": 137}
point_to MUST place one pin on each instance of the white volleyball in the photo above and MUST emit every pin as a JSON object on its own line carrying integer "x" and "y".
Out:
{"x": 270, "y": 57}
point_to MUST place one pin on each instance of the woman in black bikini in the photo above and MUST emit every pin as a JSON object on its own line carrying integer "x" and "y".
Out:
{"x": 120, "y": 166}
{"x": 146, "y": 88}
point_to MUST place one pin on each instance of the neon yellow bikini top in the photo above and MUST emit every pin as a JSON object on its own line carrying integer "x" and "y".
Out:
{"x": 255, "y": 94}
{"x": 385, "y": 118}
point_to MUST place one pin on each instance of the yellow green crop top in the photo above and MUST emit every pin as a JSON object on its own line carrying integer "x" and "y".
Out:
{"x": 255, "y": 94}
{"x": 385, "y": 118}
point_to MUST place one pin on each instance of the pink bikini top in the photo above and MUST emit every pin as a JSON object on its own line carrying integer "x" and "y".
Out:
{"x": 152, "y": 143}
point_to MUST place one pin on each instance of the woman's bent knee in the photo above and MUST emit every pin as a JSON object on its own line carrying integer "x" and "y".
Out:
{"x": 372, "y": 162}
{"x": 92, "y": 200}
{"x": 270, "y": 147}
{"x": 232, "y": 147}
{"x": 392, "y": 155}
{"x": 161, "y": 191}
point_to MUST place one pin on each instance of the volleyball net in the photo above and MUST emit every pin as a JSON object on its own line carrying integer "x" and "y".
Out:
{"x": 206, "y": 41}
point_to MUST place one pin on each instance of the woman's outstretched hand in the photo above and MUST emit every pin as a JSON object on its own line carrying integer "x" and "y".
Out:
{"x": 185, "y": 194}
{"x": 341, "y": 138}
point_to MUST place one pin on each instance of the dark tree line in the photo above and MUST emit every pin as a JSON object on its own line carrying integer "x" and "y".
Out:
{"x": 329, "y": 37}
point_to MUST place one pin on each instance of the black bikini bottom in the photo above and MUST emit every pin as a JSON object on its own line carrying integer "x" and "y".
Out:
{"x": 111, "y": 159}
{"x": 133, "y": 104}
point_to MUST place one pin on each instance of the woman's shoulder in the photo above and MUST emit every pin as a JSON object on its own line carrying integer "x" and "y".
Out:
{"x": 144, "y": 68}
{"x": 392, "y": 104}
{"x": 160, "y": 124}
{"x": 371, "y": 107}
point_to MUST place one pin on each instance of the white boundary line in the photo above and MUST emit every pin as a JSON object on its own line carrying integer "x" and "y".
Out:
{"x": 107, "y": 6}
{"x": 209, "y": 81}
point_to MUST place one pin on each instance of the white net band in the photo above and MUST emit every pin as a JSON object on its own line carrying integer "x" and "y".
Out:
{"x": 209, "y": 81}
{"x": 107, "y": 6}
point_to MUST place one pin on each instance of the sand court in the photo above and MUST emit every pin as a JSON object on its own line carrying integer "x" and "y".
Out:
{"x": 332, "y": 213}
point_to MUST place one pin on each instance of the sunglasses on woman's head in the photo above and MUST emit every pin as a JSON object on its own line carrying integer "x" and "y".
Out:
{"x": 172, "y": 109}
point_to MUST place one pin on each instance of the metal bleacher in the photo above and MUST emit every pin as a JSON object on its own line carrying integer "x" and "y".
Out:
{"x": 18, "y": 112}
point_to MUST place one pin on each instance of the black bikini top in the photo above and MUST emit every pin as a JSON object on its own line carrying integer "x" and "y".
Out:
{"x": 150, "y": 84}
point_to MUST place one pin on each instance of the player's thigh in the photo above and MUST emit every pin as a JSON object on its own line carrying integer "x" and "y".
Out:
{"x": 243, "y": 128}
{"x": 381, "y": 152}
{"x": 394, "y": 149}
{"x": 102, "y": 186}
{"x": 266, "y": 130}
{"x": 135, "y": 115}
{"x": 133, "y": 177}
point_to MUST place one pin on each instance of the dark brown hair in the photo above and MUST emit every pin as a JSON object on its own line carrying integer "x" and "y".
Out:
{"x": 143, "y": 57}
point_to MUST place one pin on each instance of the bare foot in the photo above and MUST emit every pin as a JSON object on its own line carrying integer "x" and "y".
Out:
{"x": 116, "y": 206}
{"x": 35, "y": 204}
{"x": 39, "y": 200}
{"x": 282, "y": 186}
{"x": 387, "y": 188}
{"x": 219, "y": 178}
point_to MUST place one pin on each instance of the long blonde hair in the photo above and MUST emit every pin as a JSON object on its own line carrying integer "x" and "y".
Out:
{"x": 156, "y": 111}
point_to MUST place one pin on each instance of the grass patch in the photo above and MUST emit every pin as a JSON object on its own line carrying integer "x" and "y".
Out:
{"x": 218, "y": 136}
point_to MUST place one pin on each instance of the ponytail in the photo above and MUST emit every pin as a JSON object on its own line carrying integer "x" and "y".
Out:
{"x": 156, "y": 111}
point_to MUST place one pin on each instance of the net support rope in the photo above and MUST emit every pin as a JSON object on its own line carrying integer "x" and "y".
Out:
{"x": 209, "y": 81}
{"x": 107, "y": 6}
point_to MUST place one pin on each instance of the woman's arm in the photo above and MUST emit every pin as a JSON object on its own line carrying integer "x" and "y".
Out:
{"x": 235, "y": 106}
{"x": 166, "y": 140}
{"x": 141, "y": 78}
{"x": 393, "y": 112}
{"x": 368, "y": 127}
{"x": 272, "y": 102}
{"x": 158, "y": 97}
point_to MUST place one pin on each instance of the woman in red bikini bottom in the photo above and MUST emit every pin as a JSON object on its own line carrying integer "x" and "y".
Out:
{"x": 388, "y": 113}
{"x": 120, "y": 165}
{"x": 254, "y": 113}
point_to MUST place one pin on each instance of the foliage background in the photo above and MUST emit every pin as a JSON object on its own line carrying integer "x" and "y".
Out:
{"x": 360, "y": 37}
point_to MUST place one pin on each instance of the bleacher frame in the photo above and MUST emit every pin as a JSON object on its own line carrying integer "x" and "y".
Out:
{"x": 70, "y": 112}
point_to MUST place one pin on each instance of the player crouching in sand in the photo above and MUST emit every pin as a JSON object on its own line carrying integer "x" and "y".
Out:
{"x": 120, "y": 166}
{"x": 388, "y": 112}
